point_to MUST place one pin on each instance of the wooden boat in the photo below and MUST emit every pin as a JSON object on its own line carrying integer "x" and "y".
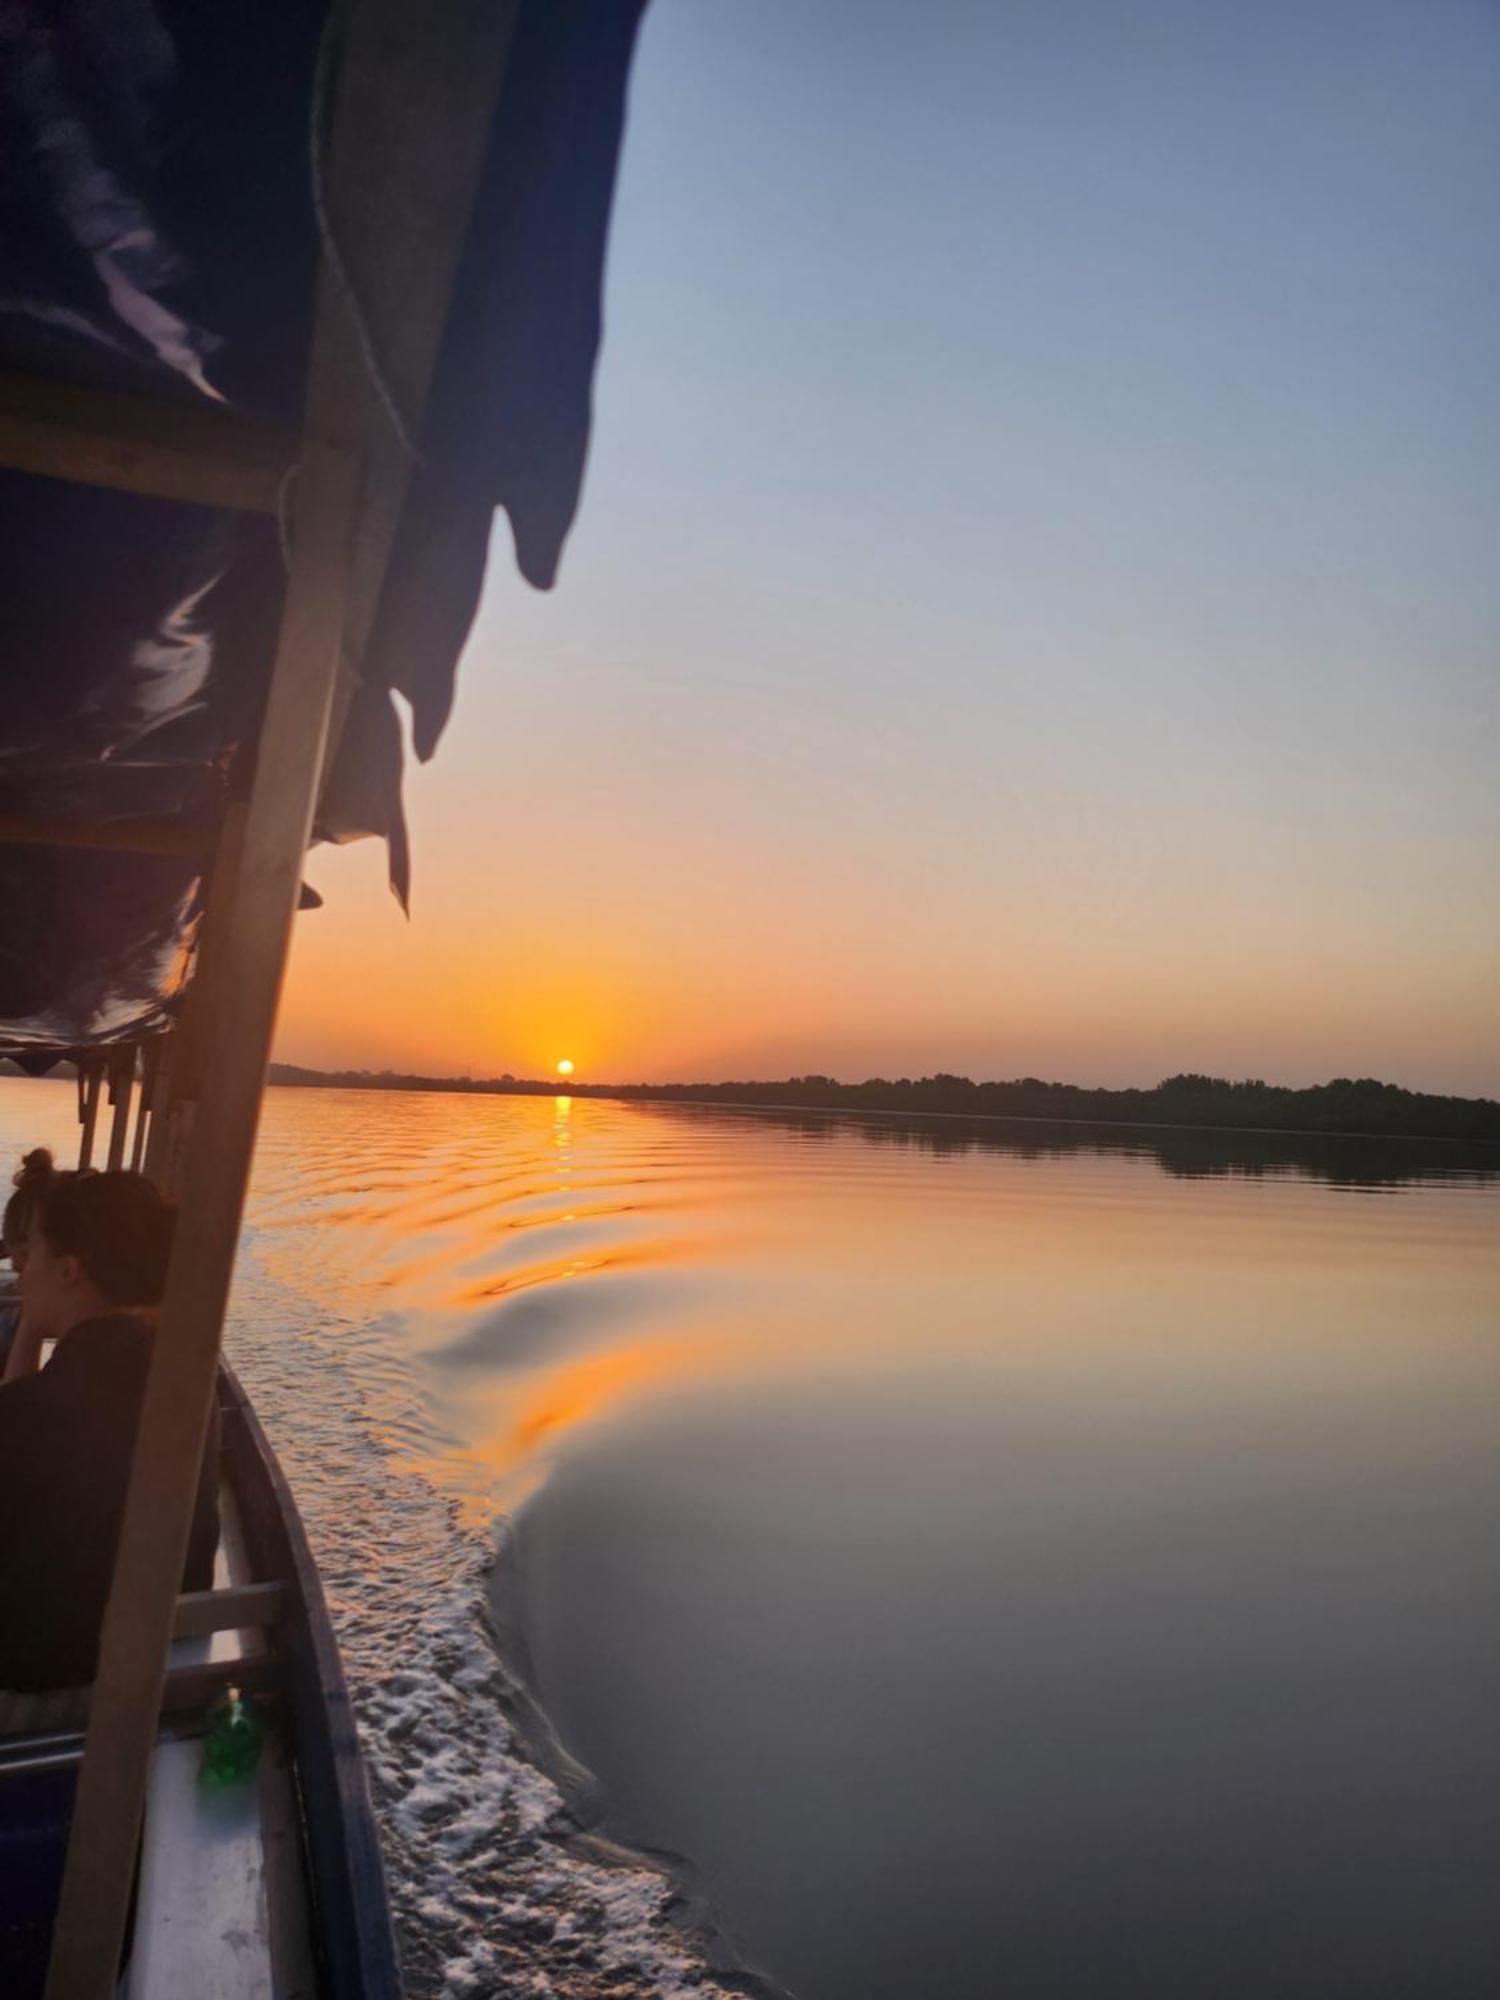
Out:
{"x": 389, "y": 230}
{"x": 275, "y": 1887}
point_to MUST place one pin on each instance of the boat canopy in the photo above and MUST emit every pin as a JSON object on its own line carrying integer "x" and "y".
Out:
{"x": 165, "y": 214}
{"x": 293, "y": 295}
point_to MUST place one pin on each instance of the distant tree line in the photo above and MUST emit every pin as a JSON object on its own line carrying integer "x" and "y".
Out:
{"x": 1347, "y": 1104}
{"x": 1185, "y": 1152}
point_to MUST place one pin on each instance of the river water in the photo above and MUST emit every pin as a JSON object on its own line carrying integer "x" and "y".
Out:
{"x": 969, "y": 1560}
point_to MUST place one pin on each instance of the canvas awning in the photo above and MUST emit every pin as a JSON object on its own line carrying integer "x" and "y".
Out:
{"x": 162, "y": 218}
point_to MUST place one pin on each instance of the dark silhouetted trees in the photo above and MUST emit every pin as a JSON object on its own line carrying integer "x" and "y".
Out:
{"x": 1346, "y": 1104}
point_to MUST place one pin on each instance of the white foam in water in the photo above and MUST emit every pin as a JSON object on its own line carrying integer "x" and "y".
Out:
{"x": 488, "y": 1896}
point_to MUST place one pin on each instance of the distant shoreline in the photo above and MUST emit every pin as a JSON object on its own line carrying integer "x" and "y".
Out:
{"x": 1343, "y": 1109}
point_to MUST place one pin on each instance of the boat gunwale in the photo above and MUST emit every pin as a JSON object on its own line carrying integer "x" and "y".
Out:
{"x": 350, "y": 1904}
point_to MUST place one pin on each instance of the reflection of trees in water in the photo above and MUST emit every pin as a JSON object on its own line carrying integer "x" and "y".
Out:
{"x": 1347, "y": 1106}
{"x": 1185, "y": 1153}
{"x": 1352, "y": 1132}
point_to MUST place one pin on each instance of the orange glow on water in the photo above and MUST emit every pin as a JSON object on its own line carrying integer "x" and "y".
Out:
{"x": 563, "y": 1265}
{"x": 528, "y": 1421}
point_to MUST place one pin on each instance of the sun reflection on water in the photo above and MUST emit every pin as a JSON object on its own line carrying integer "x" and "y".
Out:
{"x": 831, "y": 1364}
{"x": 524, "y": 1422}
{"x": 548, "y": 1263}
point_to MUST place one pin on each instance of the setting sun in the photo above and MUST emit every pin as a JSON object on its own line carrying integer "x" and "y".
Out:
{"x": 565, "y": 1067}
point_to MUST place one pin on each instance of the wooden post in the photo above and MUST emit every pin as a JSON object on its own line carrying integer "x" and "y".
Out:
{"x": 180, "y": 1387}
{"x": 400, "y": 206}
{"x": 121, "y": 1090}
{"x": 158, "y": 1131}
{"x": 90, "y": 1072}
{"x": 151, "y": 1053}
{"x": 191, "y": 1049}
{"x": 115, "y": 836}
{"x": 202, "y": 451}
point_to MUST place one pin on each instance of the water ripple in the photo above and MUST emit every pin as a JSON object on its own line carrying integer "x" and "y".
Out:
{"x": 494, "y": 1889}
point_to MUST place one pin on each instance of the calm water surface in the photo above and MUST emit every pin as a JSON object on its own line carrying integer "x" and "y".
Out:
{"x": 1050, "y": 1566}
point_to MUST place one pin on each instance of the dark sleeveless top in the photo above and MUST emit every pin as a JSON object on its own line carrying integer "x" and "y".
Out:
{"x": 66, "y": 1436}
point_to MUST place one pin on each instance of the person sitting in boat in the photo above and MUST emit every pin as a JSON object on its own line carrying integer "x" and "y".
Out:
{"x": 95, "y": 1268}
{"x": 35, "y": 1174}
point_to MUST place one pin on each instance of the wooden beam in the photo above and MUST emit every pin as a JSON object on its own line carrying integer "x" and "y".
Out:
{"x": 156, "y": 1158}
{"x": 120, "y": 836}
{"x": 121, "y": 1089}
{"x": 242, "y": 1607}
{"x": 184, "y": 1689}
{"x": 203, "y": 452}
{"x": 90, "y": 1074}
{"x": 193, "y": 1043}
{"x": 151, "y": 1056}
{"x": 415, "y": 91}
{"x": 180, "y": 1385}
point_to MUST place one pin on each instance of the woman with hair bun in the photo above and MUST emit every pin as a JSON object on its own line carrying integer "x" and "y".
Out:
{"x": 94, "y": 1270}
{"x": 29, "y": 1183}
{"x": 31, "y": 1180}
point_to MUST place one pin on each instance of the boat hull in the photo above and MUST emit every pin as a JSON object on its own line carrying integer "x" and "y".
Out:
{"x": 350, "y": 1906}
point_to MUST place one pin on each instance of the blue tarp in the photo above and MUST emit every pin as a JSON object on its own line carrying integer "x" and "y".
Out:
{"x": 158, "y": 237}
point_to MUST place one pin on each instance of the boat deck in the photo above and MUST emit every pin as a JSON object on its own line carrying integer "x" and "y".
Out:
{"x": 264, "y": 1890}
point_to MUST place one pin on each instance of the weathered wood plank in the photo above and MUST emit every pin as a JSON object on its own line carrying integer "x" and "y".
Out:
{"x": 121, "y": 1091}
{"x": 180, "y": 1386}
{"x": 120, "y": 836}
{"x": 90, "y": 1076}
{"x": 202, "y": 452}
{"x": 201, "y": 1918}
{"x": 415, "y": 90}
{"x": 151, "y": 1062}
{"x": 192, "y": 1044}
{"x": 197, "y": 1685}
{"x": 221, "y": 1909}
{"x": 237, "y": 1609}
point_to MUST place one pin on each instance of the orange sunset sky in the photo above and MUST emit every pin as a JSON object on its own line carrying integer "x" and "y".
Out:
{"x": 1034, "y": 607}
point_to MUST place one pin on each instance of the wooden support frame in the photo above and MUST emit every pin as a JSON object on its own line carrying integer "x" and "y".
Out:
{"x": 414, "y": 93}
{"x": 156, "y": 1108}
{"x": 151, "y": 1067}
{"x": 121, "y": 1075}
{"x": 240, "y": 1608}
{"x": 191, "y": 1047}
{"x": 203, "y": 451}
{"x": 180, "y": 1388}
{"x": 184, "y": 1690}
{"x": 119, "y": 836}
{"x": 90, "y": 1076}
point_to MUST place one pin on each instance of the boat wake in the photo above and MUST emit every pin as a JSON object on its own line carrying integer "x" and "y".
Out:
{"x": 495, "y": 1886}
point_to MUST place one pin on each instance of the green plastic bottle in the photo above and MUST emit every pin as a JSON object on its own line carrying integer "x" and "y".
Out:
{"x": 232, "y": 1747}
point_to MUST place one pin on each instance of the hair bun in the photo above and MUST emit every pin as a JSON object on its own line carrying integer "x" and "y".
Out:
{"x": 35, "y": 1166}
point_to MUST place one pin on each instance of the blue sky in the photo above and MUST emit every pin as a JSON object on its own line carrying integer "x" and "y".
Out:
{"x": 1035, "y": 606}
